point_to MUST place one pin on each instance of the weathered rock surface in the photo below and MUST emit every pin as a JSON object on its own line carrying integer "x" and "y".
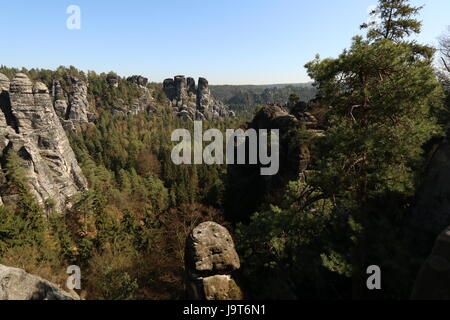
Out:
{"x": 16, "y": 284}
{"x": 211, "y": 258}
{"x": 433, "y": 281}
{"x": 30, "y": 127}
{"x": 198, "y": 102}
{"x": 79, "y": 108}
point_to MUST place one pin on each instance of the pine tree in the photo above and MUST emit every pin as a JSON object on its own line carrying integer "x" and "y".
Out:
{"x": 397, "y": 20}
{"x": 383, "y": 95}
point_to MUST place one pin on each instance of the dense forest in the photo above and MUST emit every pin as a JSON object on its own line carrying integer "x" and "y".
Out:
{"x": 383, "y": 107}
{"x": 244, "y": 98}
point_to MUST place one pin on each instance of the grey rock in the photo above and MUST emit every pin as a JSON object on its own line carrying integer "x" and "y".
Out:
{"x": 34, "y": 131}
{"x": 191, "y": 88}
{"x": 16, "y": 284}
{"x": 210, "y": 259}
{"x": 139, "y": 80}
{"x": 182, "y": 91}
{"x": 169, "y": 89}
{"x": 79, "y": 108}
{"x": 210, "y": 249}
{"x": 4, "y": 83}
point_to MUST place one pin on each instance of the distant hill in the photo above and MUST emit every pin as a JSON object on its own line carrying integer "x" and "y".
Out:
{"x": 244, "y": 98}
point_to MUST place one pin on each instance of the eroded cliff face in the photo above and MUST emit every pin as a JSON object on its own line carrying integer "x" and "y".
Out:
{"x": 72, "y": 106}
{"x": 191, "y": 102}
{"x": 30, "y": 126}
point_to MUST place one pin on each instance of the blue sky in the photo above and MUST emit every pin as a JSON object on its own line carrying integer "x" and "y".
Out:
{"x": 226, "y": 41}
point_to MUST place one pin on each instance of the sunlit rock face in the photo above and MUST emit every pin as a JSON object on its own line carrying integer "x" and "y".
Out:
{"x": 30, "y": 127}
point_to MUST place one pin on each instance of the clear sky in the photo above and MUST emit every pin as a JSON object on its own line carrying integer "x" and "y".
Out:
{"x": 226, "y": 41}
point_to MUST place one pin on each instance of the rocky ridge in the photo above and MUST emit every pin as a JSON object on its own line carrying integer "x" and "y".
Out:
{"x": 191, "y": 102}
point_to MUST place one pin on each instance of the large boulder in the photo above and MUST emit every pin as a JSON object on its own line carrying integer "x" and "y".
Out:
{"x": 211, "y": 259}
{"x": 16, "y": 284}
{"x": 433, "y": 281}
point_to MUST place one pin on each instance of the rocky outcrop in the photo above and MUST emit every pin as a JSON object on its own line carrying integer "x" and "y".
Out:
{"x": 194, "y": 103}
{"x": 250, "y": 189}
{"x": 144, "y": 103}
{"x": 211, "y": 259}
{"x": 30, "y": 127}
{"x": 433, "y": 281}
{"x": 4, "y": 83}
{"x": 16, "y": 284}
{"x": 79, "y": 109}
{"x": 138, "y": 80}
{"x": 72, "y": 105}
{"x": 113, "y": 80}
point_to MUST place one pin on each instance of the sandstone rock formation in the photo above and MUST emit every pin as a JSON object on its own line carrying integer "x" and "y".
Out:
{"x": 191, "y": 103}
{"x": 144, "y": 103}
{"x": 16, "y": 284}
{"x": 72, "y": 106}
{"x": 433, "y": 281}
{"x": 211, "y": 259}
{"x": 139, "y": 80}
{"x": 30, "y": 127}
{"x": 79, "y": 109}
{"x": 250, "y": 189}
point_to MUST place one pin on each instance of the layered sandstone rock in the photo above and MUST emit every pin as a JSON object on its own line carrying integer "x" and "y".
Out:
{"x": 29, "y": 126}
{"x": 16, "y": 284}
{"x": 79, "y": 108}
{"x": 211, "y": 259}
{"x": 194, "y": 103}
